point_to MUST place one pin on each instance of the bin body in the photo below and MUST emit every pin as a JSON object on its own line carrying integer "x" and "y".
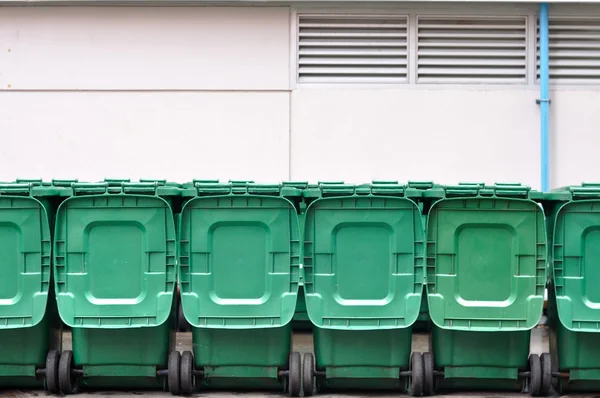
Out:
{"x": 124, "y": 358}
{"x": 115, "y": 279}
{"x": 239, "y": 270}
{"x": 573, "y": 295}
{"x": 249, "y": 359}
{"x": 480, "y": 360}
{"x": 486, "y": 275}
{"x": 29, "y": 324}
{"x": 363, "y": 261}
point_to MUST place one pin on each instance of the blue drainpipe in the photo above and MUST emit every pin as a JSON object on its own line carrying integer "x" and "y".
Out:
{"x": 544, "y": 100}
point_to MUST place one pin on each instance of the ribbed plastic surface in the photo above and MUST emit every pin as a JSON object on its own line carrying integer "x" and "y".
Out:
{"x": 363, "y": 257}
{"x": 24, "y": 255}
{"x": 114, "y": 252}
{"x": 486, "y": 258}
{"x": 239, "y": 255}
{"x": 576, "y": 259}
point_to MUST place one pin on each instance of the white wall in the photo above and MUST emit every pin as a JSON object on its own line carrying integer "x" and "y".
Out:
{"x": 95, "y": 92}
{"x": 575, "y": 132}
{"x": 184, "y": 92}
{"x": 442, "y": 135}
{"x": 178, "y": 136}
{"x": 145, "y": 48}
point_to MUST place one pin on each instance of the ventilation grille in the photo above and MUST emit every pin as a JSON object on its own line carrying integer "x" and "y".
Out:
{"x": 352, "y": 49}
{"x": 574, "y": 50}
{"x": 471, "y": 50}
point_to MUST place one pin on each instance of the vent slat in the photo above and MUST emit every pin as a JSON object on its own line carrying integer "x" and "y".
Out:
{"x": 469, "y": 36}
{"x": 348, "y": 61}
{"x": 362, "y": 52}
{"x": 475, "y": 44}
{"x": 474, "y": 72}
{"x": 497, "y": 79}
{"x": 574, "y": 50}
{"x": 471, "y": 49}
{"x": 575, "y": 63}
{"x": 352, "y": 35}
{"x": 465, "y": 27}
{"x": 483, "y": 63}
{"x": 341, "y": 25}
{"x": 350, "y": 43}
{"x": 338, "y": 71}
{"x": 352, "y": 49}
{"x": 471, "y": 53}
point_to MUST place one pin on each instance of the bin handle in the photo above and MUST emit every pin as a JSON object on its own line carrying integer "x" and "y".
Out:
{"x": 63, "y": 183}
{"x": 12, "y": 188}
{"x": 387, "y": 189}
{"x": 384, "y": 182}
{"x": 463, "y": 189}
{"x": 263, "y": 189}
{"x": 586, "y": 191}
{"x": 421, "y": 184}
{"x": 89, "y": 188}
{"x": 116, "y": 181}
{"x": 240, "y": 183}
{"x": 337, "y": 189}
{"x": 32, "y": 181}
{"x": 511, "y": 190}
{"x": 198, "y": 181}
{"x": 296, "y": 184}
{"x": 150, "y": 180}
{"x": 213, "y": 188}
{"x": 139, "y": 187}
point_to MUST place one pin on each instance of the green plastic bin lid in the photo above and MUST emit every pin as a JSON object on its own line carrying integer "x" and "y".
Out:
{"x": 576, "y": 258}
{"x": 114, "y": 255}
{"x": 24, "y": 254}
{"x": 239, "y": 255}
{"x": 363, "y": 257}
{"x": 486, "y": 257}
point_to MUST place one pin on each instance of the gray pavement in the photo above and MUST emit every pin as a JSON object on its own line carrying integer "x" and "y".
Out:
{"x": 302, "y": 343}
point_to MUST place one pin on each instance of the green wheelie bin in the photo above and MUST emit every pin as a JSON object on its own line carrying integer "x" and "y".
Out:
{"x": 30, "y": 330}
{"x": 239, "y": 260}
{"x": 486, "y": 276}
{"x": 115, "y": 277}
{"x": 363, "y": 266}
{"x": 573, "y": 294}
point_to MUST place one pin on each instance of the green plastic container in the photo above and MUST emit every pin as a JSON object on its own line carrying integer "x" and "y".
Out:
{"x": 30, "y": 332}
{"x": 239, "y": 274}
{"x": 115, "y": 277}
{"x": 573, "y": 295}
{"x": 363, "y": 265}
{"x": 486, "y": 275}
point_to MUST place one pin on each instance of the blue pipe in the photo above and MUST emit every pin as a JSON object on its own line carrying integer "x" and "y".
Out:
{"x": 544, "y": 100}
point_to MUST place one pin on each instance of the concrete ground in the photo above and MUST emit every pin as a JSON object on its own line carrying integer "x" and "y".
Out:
{"x": 302, "y": 343}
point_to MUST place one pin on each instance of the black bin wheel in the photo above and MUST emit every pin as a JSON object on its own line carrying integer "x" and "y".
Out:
{"x": 535, "y": 375}
{"x": 51, "y": 378}
{"x": 187, "y": 378}
{"x": 295, "y": 374}
{"x": 416, "y": 375}
{"x": 174, "y": 371}
{"x": 428, "y": 378}
{"x": 308, "y": 374}
{"x": 546, "y": 369}
{"x": 65, "y": 373}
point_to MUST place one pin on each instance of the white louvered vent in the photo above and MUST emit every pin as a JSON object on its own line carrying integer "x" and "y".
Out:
{"x": 471, "y": 49}
{"x": 352, "y": 49}
{"x": 574, "y": 50}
